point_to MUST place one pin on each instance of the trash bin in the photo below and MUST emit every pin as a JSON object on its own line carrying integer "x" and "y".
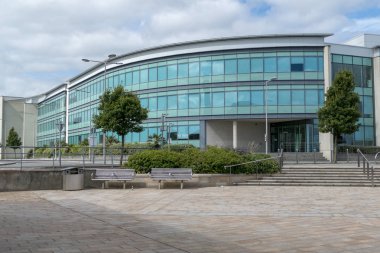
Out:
{"x": 73, "y": 179}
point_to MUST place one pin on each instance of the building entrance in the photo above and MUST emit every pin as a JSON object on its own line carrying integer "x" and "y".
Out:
{"x": 301, "y": 136}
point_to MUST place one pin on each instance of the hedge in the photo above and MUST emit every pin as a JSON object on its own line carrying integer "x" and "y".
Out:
{"x": 208, "y": 161}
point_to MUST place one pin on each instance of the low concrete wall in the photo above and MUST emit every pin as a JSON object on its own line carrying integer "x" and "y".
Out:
{"x": 11, "y": 180}
{"x": 15, "y": 180}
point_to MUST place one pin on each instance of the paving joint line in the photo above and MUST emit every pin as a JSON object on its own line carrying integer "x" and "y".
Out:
{"x": 117, "y": 226}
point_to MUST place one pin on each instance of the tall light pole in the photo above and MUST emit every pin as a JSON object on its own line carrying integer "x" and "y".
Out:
{"x": 60, "y": 126}
{"x": 266, "y": 113}
{"x": 105, "y": 63}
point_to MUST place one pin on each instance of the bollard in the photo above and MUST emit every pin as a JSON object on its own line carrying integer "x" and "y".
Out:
{"x": 348, "y": 159}
{"x": 314, "y": 151}
{"x": 297, "y": 155}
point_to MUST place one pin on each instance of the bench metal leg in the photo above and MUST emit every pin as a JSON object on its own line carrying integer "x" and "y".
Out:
{"x": 107, "y": 185}
{"x": 181, "y": 185}
{"x": 103, "y": 185}
{"x": 124, "y": 185}
{"x": 159, "y": 184}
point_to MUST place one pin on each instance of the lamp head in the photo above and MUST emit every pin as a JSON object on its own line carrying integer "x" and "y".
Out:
{"x": 111, "y": 56}
{"x": 86, "y": 60}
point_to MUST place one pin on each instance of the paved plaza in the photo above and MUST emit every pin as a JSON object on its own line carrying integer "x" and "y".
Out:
{"x": 219, "y": 219}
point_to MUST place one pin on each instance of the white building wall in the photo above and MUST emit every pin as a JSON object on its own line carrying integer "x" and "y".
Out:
{"x": 220, "y": 133}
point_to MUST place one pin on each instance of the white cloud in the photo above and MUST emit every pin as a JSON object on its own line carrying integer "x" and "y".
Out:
{"x": 42, "y": 41}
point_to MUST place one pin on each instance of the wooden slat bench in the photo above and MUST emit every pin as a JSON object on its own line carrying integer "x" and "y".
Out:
{"x": 171, "y": 174}
{"x": 107, "y": 175}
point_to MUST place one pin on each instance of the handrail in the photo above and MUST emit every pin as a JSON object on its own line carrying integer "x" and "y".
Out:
{"x": 279, "y": 159}
{"x": 366, "y": 169}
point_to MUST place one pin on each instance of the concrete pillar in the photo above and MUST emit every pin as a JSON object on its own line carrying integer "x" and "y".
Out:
{"x": 376, "y": 94}
{"x": 234, "y": 134}
{"x": 326, "y": 139}
{"x": 202, "y": 134}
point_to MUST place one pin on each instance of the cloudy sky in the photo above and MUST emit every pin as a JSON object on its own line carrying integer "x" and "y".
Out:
{"x": 42, "y": 42}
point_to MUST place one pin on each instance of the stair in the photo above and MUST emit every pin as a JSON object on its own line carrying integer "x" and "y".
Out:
{"x": 314, "y": 175}
{"x": 304, "y": 157}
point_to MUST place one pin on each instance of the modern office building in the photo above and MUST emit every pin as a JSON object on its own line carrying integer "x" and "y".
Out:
{"x": 224, "y": 92}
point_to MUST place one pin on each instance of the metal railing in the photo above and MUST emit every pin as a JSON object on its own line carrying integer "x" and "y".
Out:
{"x": 57, "y": 157}
{"x": 367, "y": 169}
{"x": 279, "y": 158}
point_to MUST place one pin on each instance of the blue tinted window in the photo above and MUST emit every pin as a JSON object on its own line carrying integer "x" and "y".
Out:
{"x": 217, "y": 68}
{"x": 152, "y": 74}
{"x": 183, "y": 102}
{"x": 144, "y": 135}
{"x": 194, "y": 69}
{"x": 128, "y": 78}
{"x": 311, "y": 64}
{"x": 272, "y": 97}
{"x": 369, "y": 133}
{"x": 297, "y": 64}
{"x": 144, "y": 76}
{"x": 205, "y": 68}
{"x": 172, "y": 71}
{"x": 206, "y": 99}
{"x": 144, "y": 102}
{"x": 244, "y": 98}
{"x": 367, "y": 106}
{"x": 257, "y": 65}
{"x": 321, "y": 97}
{"x": 298, "y": 97}
{"x": 136, "y": 77}
{"x": 183, "y": 70}
{"x": 257, "y": 97}
{"x": 172, "y": 102}
{"x": 161, "y": 103}
{"x": 243, "y": 66}
{"x": 218, "y": 99}
{"x": 270, "y": 64}
{"x": 284, "y": 97}
{"x": 182, "y": 133}
{"x": 231, "y": 67}
{"x": 193, "y": 101}
{"x": 152, "y": 104}
{"x": 231, "y": 98}
{"x": 283, "y": 64}
{"x": 311, "y": 97}
{"x": 194, "y": 132}
{"x": 320, "y": 64}
{"x": 162, "y": 73}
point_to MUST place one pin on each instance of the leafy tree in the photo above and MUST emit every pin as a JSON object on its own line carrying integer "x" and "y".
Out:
{"x": 156, "y": 139}
{"x": 120, "y": 111}
{"x": 341, "y": 111}
{"x": 13, "y": 140}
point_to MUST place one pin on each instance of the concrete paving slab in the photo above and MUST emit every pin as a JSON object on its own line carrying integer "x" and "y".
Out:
{"x": 219, "y": 219}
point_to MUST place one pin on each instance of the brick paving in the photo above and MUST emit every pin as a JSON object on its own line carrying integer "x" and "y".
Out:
{"x": 220, "y": 219}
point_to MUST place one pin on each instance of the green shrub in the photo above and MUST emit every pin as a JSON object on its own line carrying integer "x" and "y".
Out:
{"x": 207, "y": 161}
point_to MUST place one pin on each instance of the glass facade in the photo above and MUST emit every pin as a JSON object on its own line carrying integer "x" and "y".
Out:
{"x": 224, "y": 85}
{"x": 213, "y": 84}
{"x": 362, "y": 69}
{"x": 50, "y": 113}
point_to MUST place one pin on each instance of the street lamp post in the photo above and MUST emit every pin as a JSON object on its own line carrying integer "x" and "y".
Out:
{"x": 60, "y": 126}
{"x": 266, "y": 113}
{"x": 105, "y": 63}
{"x": 163, "y": 126}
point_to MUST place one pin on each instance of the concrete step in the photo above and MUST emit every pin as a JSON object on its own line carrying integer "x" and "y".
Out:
{"x": 313, "y": 175}
{"x": 348, "y": 184}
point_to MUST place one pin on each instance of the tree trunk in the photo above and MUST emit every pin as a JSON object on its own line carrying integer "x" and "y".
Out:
{"x": 122, "y": 150}
{"x": 335, "y": 147}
